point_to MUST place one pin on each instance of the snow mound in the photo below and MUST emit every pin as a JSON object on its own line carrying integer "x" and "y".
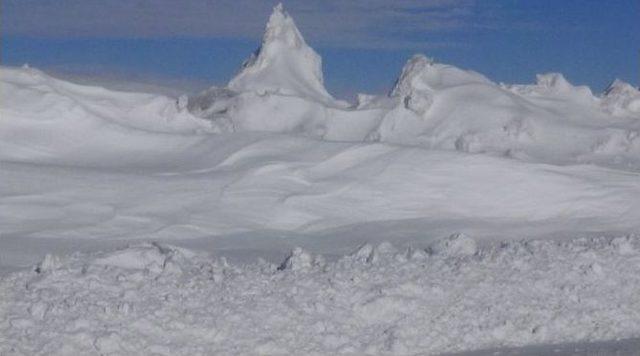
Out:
{"x": 283, "y": 64}
{"x": 423, "y": 74}
{"x": 380, "y": 300}
{"x": 45, "y": 119}
{"x": 443, "y": 107}
{"x": 622, "y": 99}
{"x": 421, "y": 77}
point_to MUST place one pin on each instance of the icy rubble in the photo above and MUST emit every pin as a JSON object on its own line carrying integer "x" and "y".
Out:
{"x": 159, "y": 299}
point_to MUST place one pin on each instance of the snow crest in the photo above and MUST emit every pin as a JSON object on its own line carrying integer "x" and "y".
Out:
{"x": 622, "y": 99}
{"x": 283, "y": 64}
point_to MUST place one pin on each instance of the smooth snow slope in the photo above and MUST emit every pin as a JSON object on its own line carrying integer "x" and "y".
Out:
{"x": 293, "y": 184}
{"x": 46, "y": 120}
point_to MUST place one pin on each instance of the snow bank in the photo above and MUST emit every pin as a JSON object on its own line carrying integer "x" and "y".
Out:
{"x": 164, "y": 300}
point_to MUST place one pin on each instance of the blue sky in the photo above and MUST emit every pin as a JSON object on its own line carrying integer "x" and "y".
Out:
{"x": 195, "y": 43}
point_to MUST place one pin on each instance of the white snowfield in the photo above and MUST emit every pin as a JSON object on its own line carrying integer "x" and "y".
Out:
{"x": 273, "y": 161}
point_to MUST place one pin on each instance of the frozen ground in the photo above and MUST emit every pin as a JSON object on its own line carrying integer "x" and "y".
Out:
{"x": 520, "y": 205}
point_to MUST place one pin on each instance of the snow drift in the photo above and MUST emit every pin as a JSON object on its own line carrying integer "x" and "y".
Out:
{"x": 261, "y": 154}
{"x": 448, "y": 162}
{"x": 48, "y": 120}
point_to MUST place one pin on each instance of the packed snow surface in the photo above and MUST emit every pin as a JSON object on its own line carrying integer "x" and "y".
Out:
{"x": 459, "y": 167}
{"x": 163, "y": 300}
{"x": 130, "y": 165}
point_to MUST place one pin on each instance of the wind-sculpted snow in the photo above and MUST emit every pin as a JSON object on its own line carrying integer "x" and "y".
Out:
{"x": 273, "y": 161}
{"x": 203, "y": 165}
{"x": 621, "y": 99}
{"x": 159, "y": 299}
{"x": 280, "y": 89}
{"x": 263, "y": 182}
{"x": 432, "y": 105}
{"x": 442, "y": 107}
{"x": 284, "y": 64}
{"x": 47, "y": 120}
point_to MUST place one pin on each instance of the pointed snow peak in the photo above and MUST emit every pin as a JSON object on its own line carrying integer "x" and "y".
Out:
{"x": 283, "y": 64}
{"x": 423, "y": 74}
{"x": 281, "y": 27}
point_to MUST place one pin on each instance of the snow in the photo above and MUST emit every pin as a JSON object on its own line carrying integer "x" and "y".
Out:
{"x": 236, "y": 183}
{"x": 512, "y": 211}
{"x": 284, "y": 64}
{"x": 621, "y": 99}
{"x": 377, "y": 300}
{"x": 442, "y": 107}
{"x": 47, "y": 120}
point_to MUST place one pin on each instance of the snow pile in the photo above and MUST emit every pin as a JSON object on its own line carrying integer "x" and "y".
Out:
{"x": 621, "y": 99}
{"x": 432, "y": 105}
{"x": 164, "y": 300}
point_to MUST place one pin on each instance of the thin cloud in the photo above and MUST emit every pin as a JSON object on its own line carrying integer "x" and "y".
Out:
{"x": 359, "y": 23}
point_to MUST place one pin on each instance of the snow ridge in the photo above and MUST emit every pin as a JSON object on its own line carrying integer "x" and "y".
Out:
{"x": 432, "y": 105}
